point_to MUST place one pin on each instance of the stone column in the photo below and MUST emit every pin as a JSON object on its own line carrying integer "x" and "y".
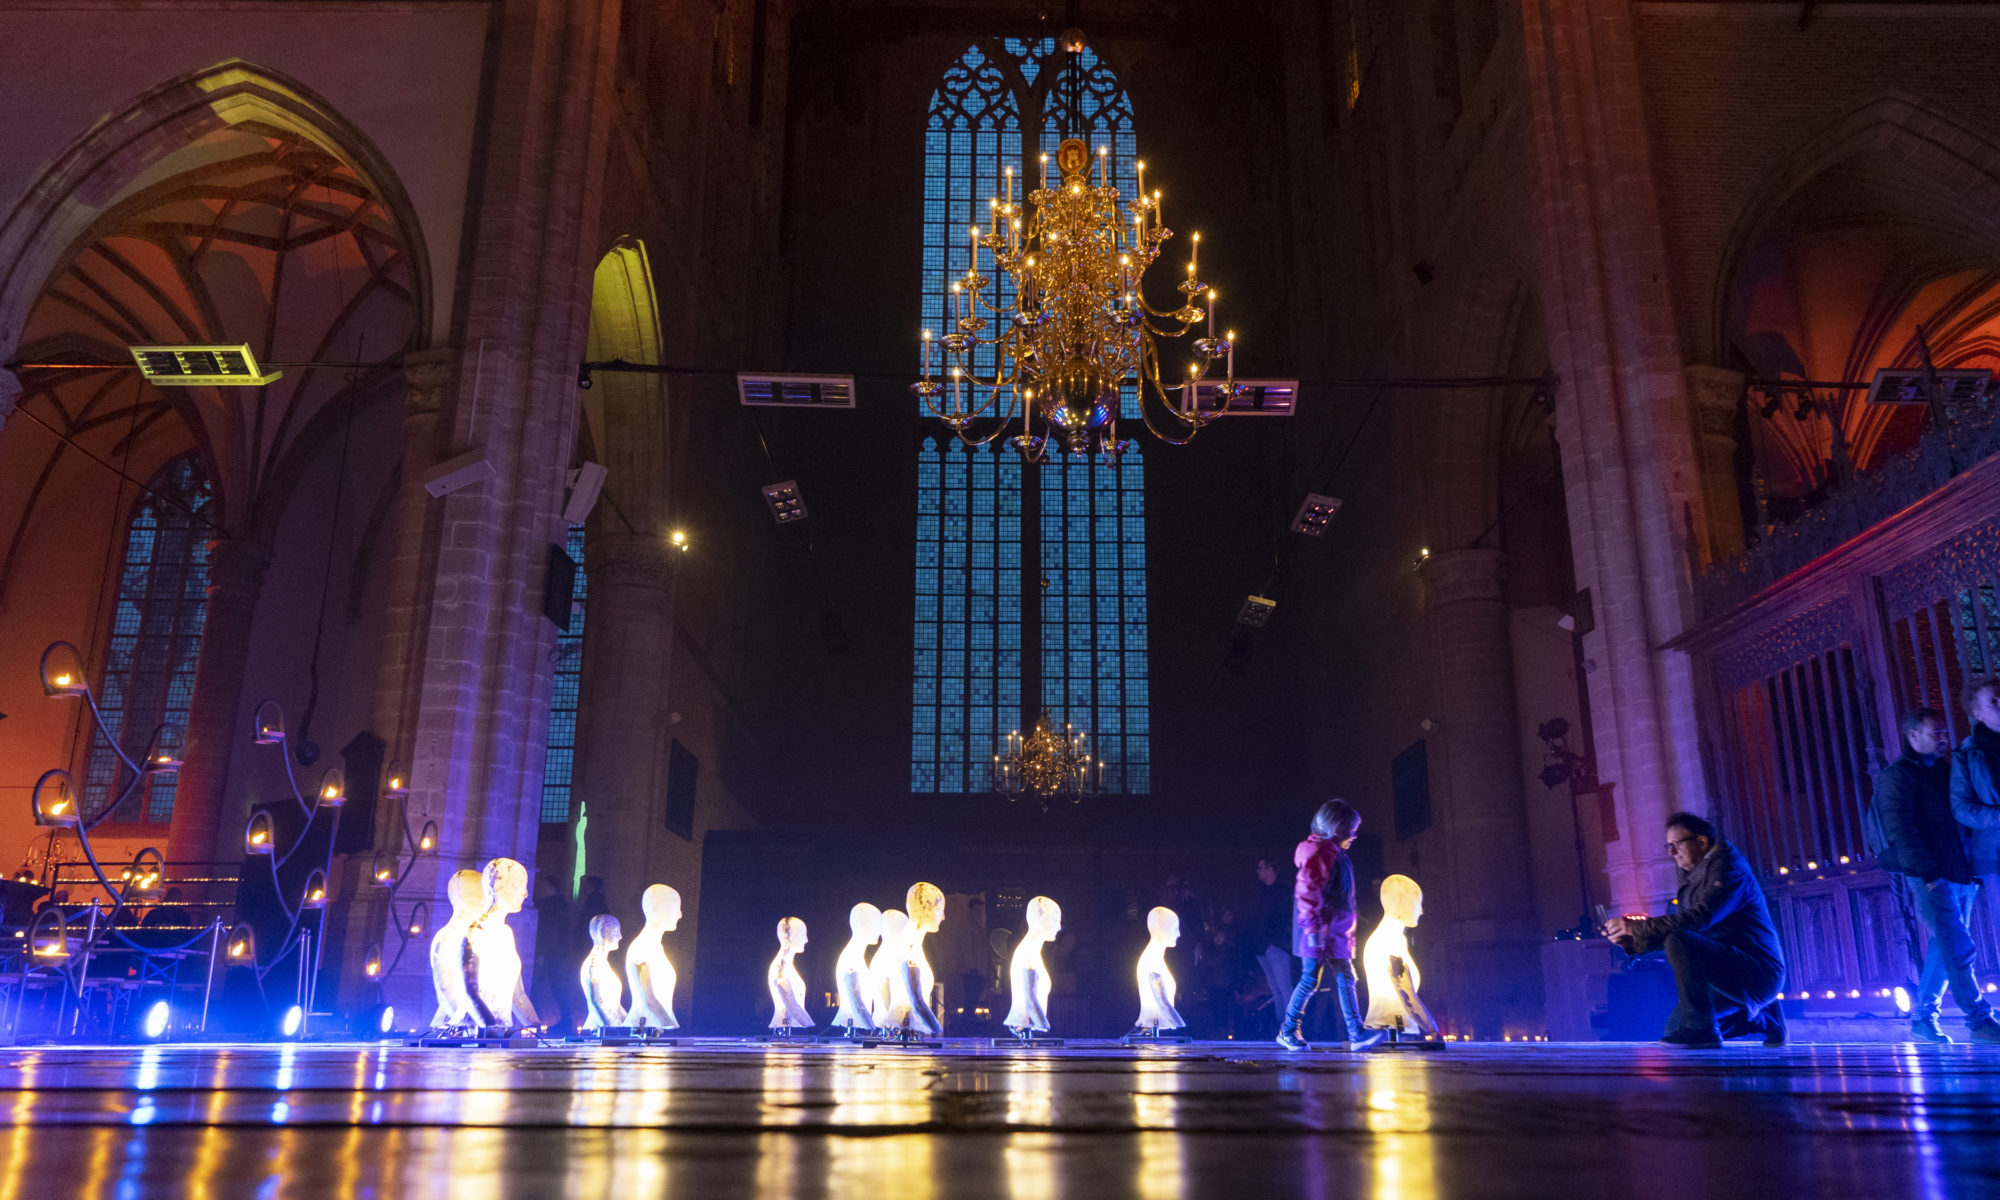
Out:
{"x": 427, "y": 376}
{"x": 1495, "y": 977}
{"x": 235, "y": 578}
{"x": 622, "y": 712}
{"x": 1627, "y": 441}
{"x": 1713, "y": 395}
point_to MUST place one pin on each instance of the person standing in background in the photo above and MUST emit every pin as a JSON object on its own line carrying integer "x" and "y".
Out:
{"x": 1270, "y": 934}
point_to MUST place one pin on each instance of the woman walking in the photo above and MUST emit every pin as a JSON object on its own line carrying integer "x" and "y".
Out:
{"x": 1323, "y": 912}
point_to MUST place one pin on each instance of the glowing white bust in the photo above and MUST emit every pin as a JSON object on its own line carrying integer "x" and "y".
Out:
{"x": 1392, "y": 974}
{"x": 492, "y": 961}
{"x": 448, "y": 952}
{"x": 915, "y": 985}
{"x": 647, "y": 970}
{"x": 851, "y": 980}
{"x": 603, "y": 990}
{"x": 788, "y": 990}
{"x": 1156, "y": 982}
{"x": 1028, "y": 975}
{"x": 884, "y": 966}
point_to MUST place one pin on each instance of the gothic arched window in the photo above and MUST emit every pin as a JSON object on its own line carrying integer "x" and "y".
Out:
{"x": 155, "y": 636}
{"x": 1059, "y": 620}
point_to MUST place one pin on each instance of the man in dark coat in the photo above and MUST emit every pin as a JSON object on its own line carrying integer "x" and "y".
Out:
{"x": 1922, "y": 843}
{"x": 1718, "y": 939}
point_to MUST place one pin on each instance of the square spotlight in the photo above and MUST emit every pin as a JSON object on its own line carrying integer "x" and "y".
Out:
{"x": 1256, "y": 611}
{"x": 1905, "y": 385}
{"x": 201, "y": 366}
{"x": 1315, "y": 514}
{"x": 1259, "y": 398}
{"x": 786, "y": 506}
{"x": 768, "y": 390}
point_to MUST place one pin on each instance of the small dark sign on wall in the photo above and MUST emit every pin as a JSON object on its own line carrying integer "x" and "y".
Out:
{"x": 682, "y": 767}
{"x": 1410, "y": 774}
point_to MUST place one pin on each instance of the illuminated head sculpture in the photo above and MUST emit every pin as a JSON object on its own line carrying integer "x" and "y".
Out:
{"x": 603, "y": 990}
{"x": 1402, "y": 899}
{"x": 1044, "y": 918}
{"x": 791, "y": 935}
{"x": 1157, "y": 988}
{"x": 662, "y": 906}
{"x": 505, "y": 883}
{"x": 926, "y": 905}
{"x": 1393, "y": 978}
{"x": 864, "y": 921}
{"x": 605, "y": 932}
{"x": 788, "y": 990}
{"x": 464, "y": 890}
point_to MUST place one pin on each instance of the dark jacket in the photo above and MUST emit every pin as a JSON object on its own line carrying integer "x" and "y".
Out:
{"x": 1913, "y": 804}
{"x": 1719, "y": 899}
{"x": 1322, "y": 900}
{"x": 1272, "y": 921}
{"x": 1975, "y": 795}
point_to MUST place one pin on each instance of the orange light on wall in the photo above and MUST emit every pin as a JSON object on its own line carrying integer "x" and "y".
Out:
{"x": 258, "y": 835}
{"x": 398, "y": 785}
{"x": 333, "y": 788}
{"x": 427, "y": 838}
{"x": 62, "y": 671}
{"x": 165, "y": 752}
{"x": 383, "y": 869}
{"x": 420, "y": 918}
{"x": 242, "y": 943}
{"x": 315, "y": 893}
{"x": 55, "y": 799}
{"x": 372, "y": 965}
{"x": 270, "y": 726}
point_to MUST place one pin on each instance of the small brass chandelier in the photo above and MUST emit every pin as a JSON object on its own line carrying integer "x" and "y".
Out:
{"x": 1046, "y": 764}
{"x": 1076, "y": 326}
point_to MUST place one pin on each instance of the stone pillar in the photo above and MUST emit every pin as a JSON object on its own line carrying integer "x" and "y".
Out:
{"x": 427, "y": 376}
{"x": 235, "y": 578}
{"x": 1495, "y": 976}
{"x": 1713, "y": 395}
{"x": 1627, "y": 442}
{"x": 622, "y": 712}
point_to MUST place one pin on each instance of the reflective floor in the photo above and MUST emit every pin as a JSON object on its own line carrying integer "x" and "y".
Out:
{"x": 1212, "y": 1120}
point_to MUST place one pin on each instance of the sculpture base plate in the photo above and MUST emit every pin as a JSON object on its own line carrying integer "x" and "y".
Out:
{"x": 1025, "y": 1043}
{"x": 512, "y": 1041}
{"x": 1158, "y": 1039}
{"x": 610, "y": 1035}
{"x": 802, "y": 1038}
{"x": 912, "y": 1044}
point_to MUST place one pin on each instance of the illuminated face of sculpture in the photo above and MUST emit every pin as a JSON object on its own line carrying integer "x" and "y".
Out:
{"x": 865, "y": 921}
{"x": 506, "y": 884}
{"x": 662, "y": 906}
{"x": 792, "y": 934}
{"x": 1402, "y": 900}
{"x": 1044, "y": 918}
{"x": 895, "y": 926}
{"x": 464, "y": 889}
{"x": 605, "y": 932}
{"x": 1164, "y": 925}
{"x": 926, "y": 904}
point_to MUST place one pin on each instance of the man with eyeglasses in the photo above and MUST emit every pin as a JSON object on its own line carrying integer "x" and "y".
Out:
{"x": 1922, "y": 842}
{"x": 1718, "y": 939}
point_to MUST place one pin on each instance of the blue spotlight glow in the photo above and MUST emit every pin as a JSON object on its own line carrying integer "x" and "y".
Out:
{"x": 1902, "y": 1000}
{"x": 388, "y": 1022}
{"x": 295, "y": 1019}
{"x": 154, "y": 1027}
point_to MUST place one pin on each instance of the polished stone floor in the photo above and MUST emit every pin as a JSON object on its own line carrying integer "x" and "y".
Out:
{"x": 722, "y": 1120}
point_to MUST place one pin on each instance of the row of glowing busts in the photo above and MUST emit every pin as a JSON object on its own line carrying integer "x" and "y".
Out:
{"x": 476, "y": 968}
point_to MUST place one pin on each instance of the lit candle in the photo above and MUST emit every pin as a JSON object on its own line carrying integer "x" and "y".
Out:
{"x": 1010, "y": 187}
{"x": 1103, "y": 166}
{"x": 1230, "y": 338}
{"x": 1140, "y": 189}
{"x": 1045, "y": 171}
{"x": 975, "y": 250}
{"x": 1194, "y": 254}
{"x": 1211, "y": 312}
{"x": 954, "y": 306}
{"x": 927, "y": 356}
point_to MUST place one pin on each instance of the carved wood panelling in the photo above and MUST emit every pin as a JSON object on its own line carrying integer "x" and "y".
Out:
{"x": 1881, "y": 940}
{"x": 1787, "y": 643}
{"x": 1944, "y": 571}
{"x": 1815, "y": 940}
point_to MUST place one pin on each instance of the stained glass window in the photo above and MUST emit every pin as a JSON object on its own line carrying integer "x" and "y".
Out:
{"x": 155, "y": 637}
{"x": 1004, "y": 622}
{"x": 560, "y": 766}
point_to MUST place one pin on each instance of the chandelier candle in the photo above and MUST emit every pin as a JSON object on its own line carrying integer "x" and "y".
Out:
{"x": 1076, "y": 327}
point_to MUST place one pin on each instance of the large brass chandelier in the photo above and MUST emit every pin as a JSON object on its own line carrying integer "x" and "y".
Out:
{"x": 1076, "y": 325}
{"x": 1046, "y": 764}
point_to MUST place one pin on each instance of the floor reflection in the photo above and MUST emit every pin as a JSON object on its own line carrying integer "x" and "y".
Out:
{"x": 1087, "y": 1123}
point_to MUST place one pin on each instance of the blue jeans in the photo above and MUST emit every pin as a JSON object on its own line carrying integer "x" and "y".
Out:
{"x": 1946, "y": 909}
{"x": 1343, "y": 994}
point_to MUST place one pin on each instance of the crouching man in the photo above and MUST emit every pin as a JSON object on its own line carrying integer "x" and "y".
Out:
{"x": 1719, "y": 940}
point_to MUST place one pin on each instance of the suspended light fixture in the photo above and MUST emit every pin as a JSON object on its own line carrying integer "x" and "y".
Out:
{"x": 1046, "y": 764}
{"x": 1076, "y": 326}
